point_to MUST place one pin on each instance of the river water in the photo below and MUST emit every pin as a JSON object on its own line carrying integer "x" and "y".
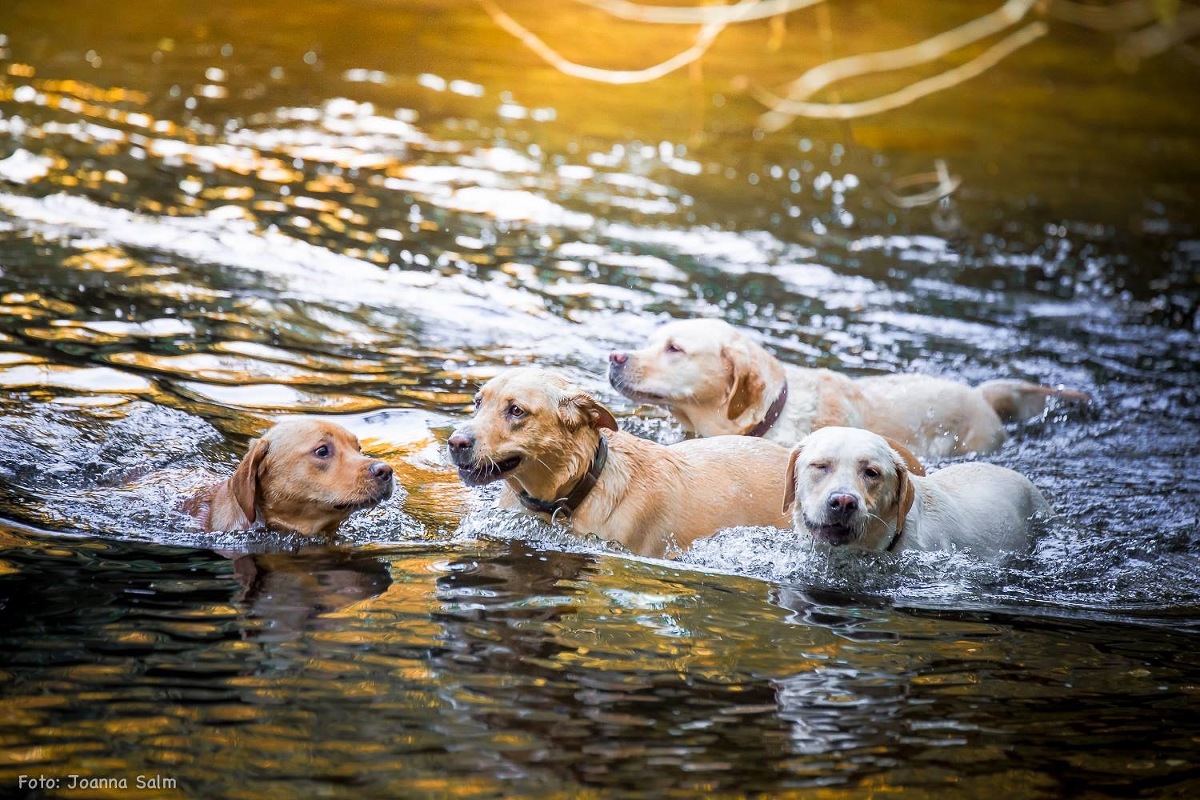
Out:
{"x": 213, "y": 216}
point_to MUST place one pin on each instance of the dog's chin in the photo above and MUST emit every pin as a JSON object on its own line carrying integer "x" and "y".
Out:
{"x": 622, "y": 385}
{"x": 833, "y": 533}
{"x": 483, "y": 474}
{"x": 369, "y": 500}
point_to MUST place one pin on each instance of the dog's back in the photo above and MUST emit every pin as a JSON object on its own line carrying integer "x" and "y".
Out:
{"x": 738, "y": 479}
{"x": 657, "y": 495}
{"x": 932, "y": 416}
{"x": 979, "y": 506}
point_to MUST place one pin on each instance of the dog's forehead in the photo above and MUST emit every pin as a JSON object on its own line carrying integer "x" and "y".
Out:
{"x": 695, "y": 334}
{"x": 303, "y": 432}
{"x": 524, "y": 385}
{"x": 338, "y": 434}
{"x": 846, "y": 444}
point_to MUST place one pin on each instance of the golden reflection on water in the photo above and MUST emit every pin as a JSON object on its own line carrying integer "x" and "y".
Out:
{"x": 490, "y": 663}
{"x": 103, "y": 259}
{"x": 745, "y": 56}
{"x": 29, "y": 305}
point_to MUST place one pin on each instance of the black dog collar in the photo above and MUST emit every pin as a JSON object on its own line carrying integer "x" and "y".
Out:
{"x": 772, "y": 414}
{"x": 566, "y": 506}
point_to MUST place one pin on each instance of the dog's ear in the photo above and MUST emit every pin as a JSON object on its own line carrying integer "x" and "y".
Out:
{"x": 910, "y": 461}
{"x": 244, "y": 483}
{"x": 906, "y": 494}
{"x": 789, "y": 486}
{"x": 583, "y": 409}
{"x": 746, "y": 385}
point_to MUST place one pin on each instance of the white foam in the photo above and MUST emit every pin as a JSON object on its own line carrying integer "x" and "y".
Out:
{"x": 23, "y": 166}
{"x": 80, "y": 379}
{"x": 261, "y": 396}
{"x": 150, "y": 329}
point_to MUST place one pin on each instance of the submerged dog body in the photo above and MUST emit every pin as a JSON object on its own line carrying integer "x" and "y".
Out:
{"x": 715, "y": 380}
{"x": 547, "y": 439}
{"x": 848, "y": 486}
{"x": 303, "y": 476}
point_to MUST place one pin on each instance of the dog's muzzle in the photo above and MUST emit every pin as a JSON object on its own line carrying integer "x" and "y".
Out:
{"x": 835, "y": 533}
{"x": 618, "y": 378}
{"x": 462, "y": 448}
{"x": 379, "y": 487}
{"x": 384, "y": 484}
{"x": 472, "y": 472}
{"x": 836, "y": 525}
{"x": 616, "y": 369}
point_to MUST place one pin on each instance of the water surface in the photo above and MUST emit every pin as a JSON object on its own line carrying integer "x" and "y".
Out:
{"x": 215, "y": 217}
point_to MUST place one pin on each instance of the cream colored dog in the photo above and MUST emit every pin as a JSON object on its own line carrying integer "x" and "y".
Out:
{"x": 303, "y": 476}
{"x": 561, "y": 456}
{"x": 716, "y": 380}
{"x": 848, "y": 486}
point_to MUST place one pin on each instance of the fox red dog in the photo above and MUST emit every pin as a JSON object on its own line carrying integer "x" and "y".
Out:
{"x": 303, "y": 476}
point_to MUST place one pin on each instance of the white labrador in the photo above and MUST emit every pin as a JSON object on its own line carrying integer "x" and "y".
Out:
{"x": 717, "y": 380}
{"x": 848, "y": 486}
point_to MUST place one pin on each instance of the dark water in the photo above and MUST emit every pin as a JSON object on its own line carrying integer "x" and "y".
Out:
{"x": 216, "y": 215}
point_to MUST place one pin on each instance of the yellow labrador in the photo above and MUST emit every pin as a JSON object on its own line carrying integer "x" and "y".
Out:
{"x": 848, "y": 486}
{"x": 303, "y": 476}
{"x": 716, "y": 380}
{"x": 561, "y": 456}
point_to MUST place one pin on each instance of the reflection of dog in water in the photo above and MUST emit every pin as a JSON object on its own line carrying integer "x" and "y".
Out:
{"x": 291, "y": 590}
{"x": 303, "y": 476}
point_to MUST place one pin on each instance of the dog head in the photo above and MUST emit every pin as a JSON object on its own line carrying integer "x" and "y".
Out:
{"x": 711, "y": 376}
{"x": 533, "y": 428}
{"x": 848, "y": 486}
{"x": 306, "y": 476}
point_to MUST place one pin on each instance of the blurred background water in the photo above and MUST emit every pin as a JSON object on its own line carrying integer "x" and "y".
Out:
{"x": 216, "y": 215}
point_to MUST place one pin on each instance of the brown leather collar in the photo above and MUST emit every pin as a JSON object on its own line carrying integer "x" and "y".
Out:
{"x": 895, "y": 539}
{"x": 566, "y": 506}
{"x": 772, "y": 414}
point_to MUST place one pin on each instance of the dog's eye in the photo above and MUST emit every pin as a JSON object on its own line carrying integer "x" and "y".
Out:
{"x": 872, "y": 472}
{"x": 515, "y": 411}
{"x": 673, "y": 348}
{"x": 323, "y": 451}
{"x": 819, "y": 466}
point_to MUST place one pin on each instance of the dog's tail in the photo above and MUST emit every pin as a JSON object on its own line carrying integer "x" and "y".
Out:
{"x": 1020, "y": 401}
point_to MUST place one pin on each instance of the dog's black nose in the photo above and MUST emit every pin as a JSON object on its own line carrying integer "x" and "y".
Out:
{"x": 843, "y": 503}
{"x": 460, "y": 445}
{"x": 381, "y": 471}
{"x": 617, "y": 358}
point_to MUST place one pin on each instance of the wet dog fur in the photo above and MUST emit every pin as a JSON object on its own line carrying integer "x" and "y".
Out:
{"x": 538, "y": 433}
{"x": 848, "y": 486}
{"x": 304, "y": 476}
{"x": 716, "y": 380}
